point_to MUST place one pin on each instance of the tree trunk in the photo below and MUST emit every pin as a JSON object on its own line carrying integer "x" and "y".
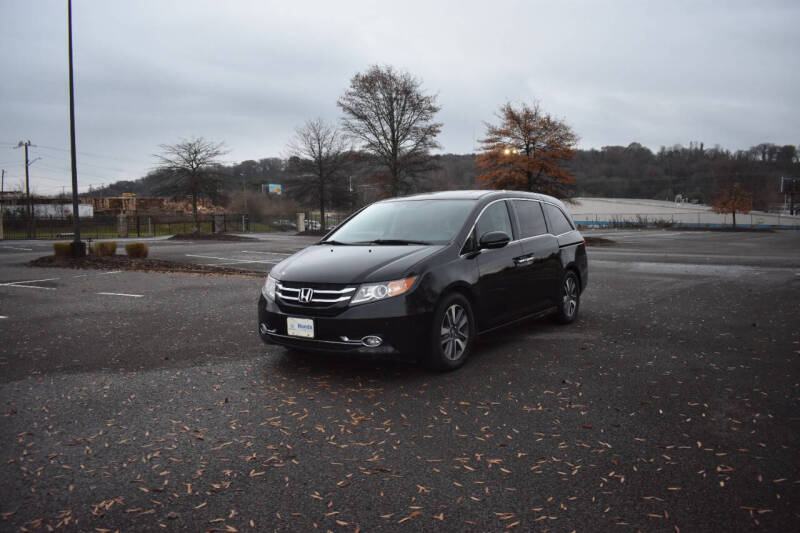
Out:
{"x": 734, "y": 220}
{"x": 395, "y": 185}
{"x": 322, "y": 205}
{"x": 194, "y": 211}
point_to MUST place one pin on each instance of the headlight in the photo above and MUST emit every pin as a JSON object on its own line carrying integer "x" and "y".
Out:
{"x": 378, "y": 291}
{"x": 268, "y": 290}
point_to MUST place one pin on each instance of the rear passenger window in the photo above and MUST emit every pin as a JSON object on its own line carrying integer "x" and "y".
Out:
{"x": 556, "y": 220}
{"x": 530, "y": 217}
{"x": 495, "y": 218}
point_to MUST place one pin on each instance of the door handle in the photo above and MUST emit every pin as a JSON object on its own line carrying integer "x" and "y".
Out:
{"x": 524, "y": 260}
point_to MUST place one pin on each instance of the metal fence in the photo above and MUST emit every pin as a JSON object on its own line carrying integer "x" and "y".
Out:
{"x": 312, "y": 220}
{"x": 109, "y": 227}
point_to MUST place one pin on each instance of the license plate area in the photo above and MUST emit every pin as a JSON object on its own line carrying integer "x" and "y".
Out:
{"x": 300, "y": 327}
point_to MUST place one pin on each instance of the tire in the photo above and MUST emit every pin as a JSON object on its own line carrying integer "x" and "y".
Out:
{"x": 452, "y": 333}
{"x": 569, "y": 301}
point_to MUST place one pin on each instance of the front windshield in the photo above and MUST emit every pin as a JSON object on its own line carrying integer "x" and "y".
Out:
{"x": 405, "y": 222}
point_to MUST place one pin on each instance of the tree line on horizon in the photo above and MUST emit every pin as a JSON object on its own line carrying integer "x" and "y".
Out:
{"x": 383, "y": 145}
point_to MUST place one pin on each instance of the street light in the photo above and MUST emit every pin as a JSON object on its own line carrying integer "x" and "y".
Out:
{"x": 78, "y": 248}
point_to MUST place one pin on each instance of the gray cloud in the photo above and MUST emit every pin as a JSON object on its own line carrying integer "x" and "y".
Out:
{"x": 151, "y": 72}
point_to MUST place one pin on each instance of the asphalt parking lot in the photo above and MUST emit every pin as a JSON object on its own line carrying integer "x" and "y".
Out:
{"x": 137, "y": 401}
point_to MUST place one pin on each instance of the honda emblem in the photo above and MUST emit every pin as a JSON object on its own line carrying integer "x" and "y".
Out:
{"x": 305, "y": 295}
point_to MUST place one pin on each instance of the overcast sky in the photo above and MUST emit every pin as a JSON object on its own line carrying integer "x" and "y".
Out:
{"x": 248, "y": 73}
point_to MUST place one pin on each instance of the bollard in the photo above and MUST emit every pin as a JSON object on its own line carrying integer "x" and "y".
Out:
{"x": 122, "y": 226}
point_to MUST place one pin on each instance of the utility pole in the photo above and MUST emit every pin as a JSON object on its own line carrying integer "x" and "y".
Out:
{"x": 78, "y": 249}
{"x": 28, "y": 207}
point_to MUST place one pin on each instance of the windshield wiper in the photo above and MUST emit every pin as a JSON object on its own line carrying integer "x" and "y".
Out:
{"x": 394, "y": 241}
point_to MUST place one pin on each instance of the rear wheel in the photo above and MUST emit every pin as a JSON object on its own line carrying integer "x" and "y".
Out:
{"x": 452, "y": 333}
{"x": 570, "y": 298}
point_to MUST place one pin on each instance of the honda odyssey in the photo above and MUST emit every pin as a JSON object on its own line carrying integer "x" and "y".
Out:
{"x": 421, "y": 276}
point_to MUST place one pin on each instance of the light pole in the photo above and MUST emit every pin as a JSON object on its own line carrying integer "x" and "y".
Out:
{"x": 78, "y": 249}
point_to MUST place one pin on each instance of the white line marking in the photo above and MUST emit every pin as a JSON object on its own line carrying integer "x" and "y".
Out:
{"x": 242, "y": 263}
{"x": 209, "y": 257}
{"x": 1, "y": 316}
{"x": 121, "y": 294}
{"x": 28, "y": 281}
{"x": 27, "y": 286}
{"x": 265, "y": 253}
{"x": 100, "y": 274}
{"x": 229, "y": 260}
{"x": 15, "y": 248}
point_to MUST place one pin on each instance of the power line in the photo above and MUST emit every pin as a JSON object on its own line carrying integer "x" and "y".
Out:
{"x": 89, "y": 154}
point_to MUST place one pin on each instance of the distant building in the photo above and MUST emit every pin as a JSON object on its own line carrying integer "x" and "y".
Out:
{"x": 131, "y": 204}
{"x": 15, "y": 204}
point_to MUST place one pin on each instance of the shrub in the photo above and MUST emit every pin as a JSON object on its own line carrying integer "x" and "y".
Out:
{"x": 136, "y": 250}
{"x": 62, "y": 249}
{"x": 103, "y": 249}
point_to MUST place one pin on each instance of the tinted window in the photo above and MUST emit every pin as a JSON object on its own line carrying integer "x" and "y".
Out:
{"x": 530, "y": 217}
{"x": 494, "y": 218}
{"x": 557, "y": 221}
{"x": 430, "y": 221}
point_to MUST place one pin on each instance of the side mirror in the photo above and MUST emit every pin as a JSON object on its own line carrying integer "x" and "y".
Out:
{"x": 494, "y": 239}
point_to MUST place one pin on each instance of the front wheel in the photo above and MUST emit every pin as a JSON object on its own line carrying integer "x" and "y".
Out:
{"x": 570, "y": 298}
{"x": 452, "y": 333}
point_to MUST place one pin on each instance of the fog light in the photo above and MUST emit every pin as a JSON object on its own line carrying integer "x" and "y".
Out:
{"x": 372, "y": 341}
{"x": 263, "y": 328}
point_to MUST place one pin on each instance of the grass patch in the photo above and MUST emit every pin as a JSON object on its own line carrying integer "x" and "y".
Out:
{"x": 121, "y": 262}
{"x": 599, "y": 241}
{"x": 210, "y": 237}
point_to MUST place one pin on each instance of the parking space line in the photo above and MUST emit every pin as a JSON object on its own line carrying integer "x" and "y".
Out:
{"x": 24, "y": 284}
{"x": 121, "y": 294}
{"x": 265, "y": 253}
{"x": 27, "y": 281}
{"x": 15, "y": 248}
{"x": 27, "y": 286}
{"x": 1, "y": 316}
{"x": 230, "y": 260}
{"x": 100, "y": 274}
{"x": 209, "y": 257}
{"x": 245, "y": 261}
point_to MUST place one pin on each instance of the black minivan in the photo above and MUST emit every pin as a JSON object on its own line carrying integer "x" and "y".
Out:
{"x": 421, "y": 276}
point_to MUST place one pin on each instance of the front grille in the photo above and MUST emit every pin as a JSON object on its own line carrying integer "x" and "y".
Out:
{"x": 318, "y": 296}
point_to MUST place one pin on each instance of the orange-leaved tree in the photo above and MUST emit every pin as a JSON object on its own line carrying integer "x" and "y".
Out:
{"x": 731, "y": 195}
{"x": 527, "y": 151}
{"x": 733, "y": 198}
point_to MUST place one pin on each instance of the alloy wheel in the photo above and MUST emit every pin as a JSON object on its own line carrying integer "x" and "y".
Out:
{"x": 454, "y": 332}
{"x": 570, "y": 297}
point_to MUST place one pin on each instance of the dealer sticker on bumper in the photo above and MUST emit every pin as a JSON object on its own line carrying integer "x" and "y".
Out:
{"x": 300, "y": 327}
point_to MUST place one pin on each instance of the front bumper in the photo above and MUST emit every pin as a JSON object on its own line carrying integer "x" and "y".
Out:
{"x": 402, "y": 334}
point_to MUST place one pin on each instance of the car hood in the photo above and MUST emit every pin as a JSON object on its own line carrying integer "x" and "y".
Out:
{"x": 351, "y": 264}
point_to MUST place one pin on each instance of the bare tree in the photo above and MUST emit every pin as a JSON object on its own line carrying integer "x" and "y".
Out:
{"x": 319, "y": 150}
{"x": 193, "y": 169}
{"x": 387, "y": 112}
{"x": 527, "y": 150}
